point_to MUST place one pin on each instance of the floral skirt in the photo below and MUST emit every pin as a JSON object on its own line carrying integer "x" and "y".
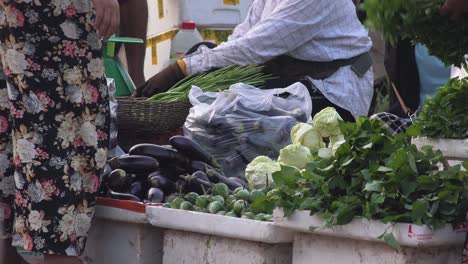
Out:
{"x": 54, "y": 123}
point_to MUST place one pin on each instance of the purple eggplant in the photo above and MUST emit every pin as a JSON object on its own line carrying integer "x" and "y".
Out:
{"x": 192, "y": 150}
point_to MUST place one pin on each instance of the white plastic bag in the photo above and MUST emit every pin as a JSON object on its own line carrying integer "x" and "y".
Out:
{"x": 237, "y": 125}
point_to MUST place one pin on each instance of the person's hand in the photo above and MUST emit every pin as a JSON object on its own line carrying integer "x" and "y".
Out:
{"x": 454, "y": 8}
{"x": 161, "y": 82}
{"x": 107, "y": 17}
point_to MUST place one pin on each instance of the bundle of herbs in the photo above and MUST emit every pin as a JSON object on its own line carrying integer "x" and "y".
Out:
{"x": 376, "y": 176}
{"x": 214, "y": 81}
{"x": 445, "y": 115}
{"x": 420, "y": 21}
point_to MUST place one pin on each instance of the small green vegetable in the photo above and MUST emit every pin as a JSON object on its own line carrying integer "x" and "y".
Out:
{"x": 239, "y": 207}
{"x": 243, "y": 195}
{"x": 221, "y": 213}
{"x": 202, "y": 201}
{"x": 231, "y": 214}
{"x": 191, "y": 197}
{"x": 175, "y": 204}
{"x": 230, "y": 200}
{"x": 215, "y": 207}
{"x": 186, "y": 206}
{"x": 248, "y": 215}
{"x": 218, "y": 198}
{"x": 260, "y": 217}
{"x": 221, "y": 189}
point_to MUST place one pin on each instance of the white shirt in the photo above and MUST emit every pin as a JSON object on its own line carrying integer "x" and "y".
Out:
{"x": 312, "y": 30}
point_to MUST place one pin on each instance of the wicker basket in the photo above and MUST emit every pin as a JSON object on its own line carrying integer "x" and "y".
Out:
{"x": 138, "y": 115}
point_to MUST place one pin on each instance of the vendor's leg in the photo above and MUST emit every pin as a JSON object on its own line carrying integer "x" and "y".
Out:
{"x": 134, "y": 24}
{"x": 60, "y": 119}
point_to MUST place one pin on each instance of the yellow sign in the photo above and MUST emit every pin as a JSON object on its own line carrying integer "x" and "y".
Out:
{"x": 232, "y": 2}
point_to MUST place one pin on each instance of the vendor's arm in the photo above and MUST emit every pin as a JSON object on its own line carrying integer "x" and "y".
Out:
{"x": 455, "y": 8}
{"x": 292, "y": 23}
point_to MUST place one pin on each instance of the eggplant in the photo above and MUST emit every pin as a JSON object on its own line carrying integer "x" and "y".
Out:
{"x": 181, "y": 186}
{"x": 135, "y": 164}
{"x": 155, "y": 195}
{"x": 118, "y": 180}
{"x": 198, "y": 166}
{"x": 238, "y": 180}
{"x": 124, "y": 196}
{"x": 156, "y": 180}
{"x": 223, "y": 179}
{"x": 137, "y": 188}
{"x": 172, "y": 172}
{"x": 200, "y": 175}
{"x": 192, "y": 150}
{"x": 165, "y": 156}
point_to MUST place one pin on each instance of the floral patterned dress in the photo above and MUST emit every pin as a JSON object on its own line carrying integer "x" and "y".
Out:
{"x": 54, "y": 123}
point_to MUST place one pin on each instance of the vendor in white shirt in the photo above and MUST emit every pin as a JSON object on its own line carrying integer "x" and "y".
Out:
{"x": 318, "y": 42}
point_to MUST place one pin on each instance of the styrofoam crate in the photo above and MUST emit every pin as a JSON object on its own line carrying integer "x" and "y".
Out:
{"x": 218, "y": 225}
{"x": 456, "y": 149}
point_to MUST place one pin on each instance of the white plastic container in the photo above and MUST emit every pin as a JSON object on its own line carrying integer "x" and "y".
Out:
{"x": 358, "y": 243}
{"x": 187, "y": 37}
{"x": 214, "y": 13}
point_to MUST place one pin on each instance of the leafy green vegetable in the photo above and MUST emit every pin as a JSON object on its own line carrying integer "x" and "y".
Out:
{"x": 326, "y": 122}
{"x": 420, "y": 21}
{"x": 308, "y": 136}
{"x": 295, "y": 155}
{"x": 259, "y": 172}
{"x": 214, "y": 81}
{"x": 445, "y": 115}
{"x": 376, "y": 176}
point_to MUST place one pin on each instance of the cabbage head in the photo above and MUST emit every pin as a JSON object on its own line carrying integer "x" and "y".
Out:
{"x": 307, "y": 136}
{"x": 259, "y": 172}
{"x": 326, "y": 122}
{"x": 295, "y": 155}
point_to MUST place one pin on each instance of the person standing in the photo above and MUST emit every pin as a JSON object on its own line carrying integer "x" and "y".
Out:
{"x": 54, "y": 123}
{"x": 320, "y": 43}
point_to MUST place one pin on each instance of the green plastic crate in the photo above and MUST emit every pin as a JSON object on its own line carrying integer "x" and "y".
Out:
{"x": 114, "y": 67}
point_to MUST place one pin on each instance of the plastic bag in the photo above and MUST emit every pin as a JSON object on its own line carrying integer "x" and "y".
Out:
{"x": 113, "y": 118}
{"x": 242, "y": 123}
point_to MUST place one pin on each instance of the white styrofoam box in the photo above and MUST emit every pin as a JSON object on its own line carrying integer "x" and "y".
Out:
{"x": 451, "y": 148}
{"x": 193, "y": 248}
{"x": 314, "y": 248}
{"x": 218, "y": 225}
{"x": 122, "y": 236}
{"x": 214, "y": 12}
{"x": 409, "y": 235}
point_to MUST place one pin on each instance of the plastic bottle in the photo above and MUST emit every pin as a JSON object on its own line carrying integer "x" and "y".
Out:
{"x": 187, "y": 37}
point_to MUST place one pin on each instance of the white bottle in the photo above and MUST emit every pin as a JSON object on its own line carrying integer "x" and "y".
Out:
{"x": 187, "y": 37}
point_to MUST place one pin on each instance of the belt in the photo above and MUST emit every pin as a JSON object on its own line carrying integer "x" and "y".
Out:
{"x": 286, "y": 67}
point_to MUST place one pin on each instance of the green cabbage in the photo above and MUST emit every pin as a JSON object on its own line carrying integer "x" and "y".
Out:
{"x": 295, "y": 155}
{"x": 259, "y": 172}
{"x": 307, "y": 136}
{"x": 326, "y": 122}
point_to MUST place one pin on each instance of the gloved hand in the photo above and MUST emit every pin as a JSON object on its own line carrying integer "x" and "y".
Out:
{"x": 161, "y": 82}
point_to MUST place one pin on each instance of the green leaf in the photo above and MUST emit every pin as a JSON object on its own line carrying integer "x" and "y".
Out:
{"x": 413, "y": 131}
{"x": 419, "y": 210}
{"x": 374, "y": 186}
{"x": 390, "y": 240}
{"x": 412, "y": 162}
{"x": 384, "y": 169}
{"x": 287, "y": 176}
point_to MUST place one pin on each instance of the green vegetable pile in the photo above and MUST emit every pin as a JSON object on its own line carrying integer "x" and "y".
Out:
{"x": 375, "y": 176}
{"x": 445, "y": 115}
{"x": 215, "y": 81}
{"x": 241, "y": 203}
{"x": 420, "y": 21}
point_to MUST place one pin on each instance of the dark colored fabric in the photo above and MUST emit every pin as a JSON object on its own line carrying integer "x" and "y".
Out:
{"x": 54, "y": 124}
{"x": 394, "y": 124}
{"x": 402, "y": 70}
{"x": 286, "y": 67}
